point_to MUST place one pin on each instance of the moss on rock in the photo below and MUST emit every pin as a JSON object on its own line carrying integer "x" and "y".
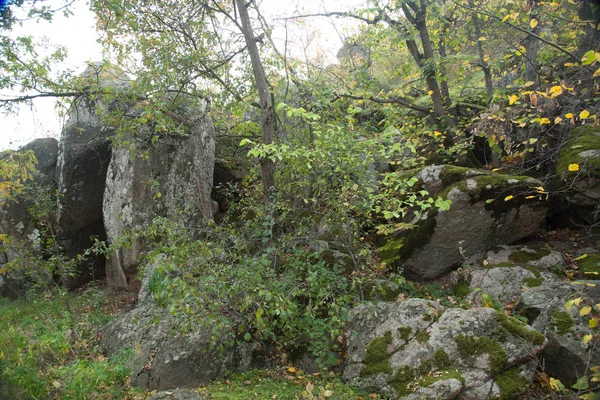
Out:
{"x": 442, "y": 375}
{"x": 401, "y": 380}
{"x": 563, "y": 322}
{"x": 377, "y": 359}
{"x": 582, "y": 139}
{"x": 533, "y": 282}
{"x": 519, "y": 329}
{"x": 404, "y": 333}
{"x": 525, "y": 257}
{"x": 422, "y": 336}
{"x": 470, "y": 347}
{"x": 590, "y": 266}
{"x": 511, "y": 383}
{"x": 441, "y": 359}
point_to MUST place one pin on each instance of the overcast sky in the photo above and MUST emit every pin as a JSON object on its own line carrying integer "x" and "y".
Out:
{"x": 78, "y": 34}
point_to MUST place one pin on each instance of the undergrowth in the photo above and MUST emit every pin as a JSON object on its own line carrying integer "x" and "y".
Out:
{"x": 48, "y": 348}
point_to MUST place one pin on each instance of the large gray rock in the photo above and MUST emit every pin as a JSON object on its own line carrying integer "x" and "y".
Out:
{"x": 16, "y": 220}
{"x": 566, "y": 357}
{"x": 482, "y": 215}
{"x": 163, "y": 357}
{"x": 83, "y": 158}
{"x": 172, "y": 178}
{"x": 581, "y": 187}
{"x": 507, "y": 271}
{"x": 416, "y": 349}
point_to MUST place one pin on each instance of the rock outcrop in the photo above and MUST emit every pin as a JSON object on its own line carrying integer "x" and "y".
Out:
{"x": 507, "y": 271}
{"x": 578, "y": 173}
{"x": 555, "y": 310}
{"x": 163, "y": 356}
{"x": 418, "y": 349}
{"x": 487, "y": 210}
{"x": 83, "y": 158}
{"x": 172, "y": 179}
{"x": 15, "y": 218}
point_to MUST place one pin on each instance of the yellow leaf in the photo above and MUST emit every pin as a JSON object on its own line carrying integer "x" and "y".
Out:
{"x": 506, "y": 18}
{"x": 577, "y": 301}
{"x": 593, "y": 323}
{"x": 569, "y": 115}
{"x": 512, "y": 99}
{"x": 580, "y": 257}
{"x": 291, "y": 370}
{"x": 528, "y": 83}
{"x": 533, "y": 23}
{"x": 437, "y": 133}
{"x": 587, "y": 339}
{"x": 530, "y": 197}
{"x": 597, "y": 73}
{"x": 573, "y": 167}
{"x": 507, "y": 198}
{"x": 544, "y": 121}
{"x": 496, "y": 169}
{"x": 585, "y": 310}
{"x": 557, "y": 120}
{"x": 584, "y": 114}
{"x": 569, "y": 64}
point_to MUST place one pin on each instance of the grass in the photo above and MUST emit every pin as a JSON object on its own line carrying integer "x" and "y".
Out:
{"x": 49, "y": 350}
{"x": 282, "y": 384}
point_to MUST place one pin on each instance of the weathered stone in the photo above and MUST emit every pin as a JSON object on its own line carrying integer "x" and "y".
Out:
{"x": 506, "y": 283}
{"x": 543, "y": 258}
{"x": 566, "y": 357}
{"x": 15, "y": 218}
{"x": 163, "y": 357}
{"x": 174, "y": 180}
{"x": 582, "y": 187}
{"x": 83, "y": 157}
{"x": 479, "y": 218}
{"x": 405, "y": 350}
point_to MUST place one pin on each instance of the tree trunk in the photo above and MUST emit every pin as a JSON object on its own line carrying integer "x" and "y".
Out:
{"x": 487, "y": 72}
{"x": 532, "y": 45}
{"x": 267, "y": 167}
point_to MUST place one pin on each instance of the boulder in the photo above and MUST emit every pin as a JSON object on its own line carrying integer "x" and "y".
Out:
{"x": 546, "y": 307}
{"x": 15, "y": 218}
{"x": 418, "y": 349}
{"x": 581, "y": 185}
{"x": 83, "y": 157}
{"x": 180, "y": 394}
{"x": 163, "y": 355}
{"x": 171, "y": 178}
{"x": 487, "y": 210}
{"x": 507, "y": 271}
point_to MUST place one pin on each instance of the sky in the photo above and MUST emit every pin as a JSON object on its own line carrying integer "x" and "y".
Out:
{"x": 78, "y": 34}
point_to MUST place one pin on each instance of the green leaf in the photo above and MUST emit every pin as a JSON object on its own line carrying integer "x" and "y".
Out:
{"x": 588, "y": 57}
{"x": 581, "y": 384}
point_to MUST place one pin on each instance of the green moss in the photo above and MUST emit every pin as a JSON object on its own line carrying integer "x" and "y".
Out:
{"x": 404, "y": 333}
{"x": 590, "y": 266}
{"x": 533, "y": 282}
{"x": 581, "y": 139}
{"x": 461, "y": 289}
{"x": 495, "y": 187}
{"x": 471, "y": 347}
{"x": 422, "y": 336}
{"x": 441, "y": 359}
{"x": 563, "y": 322}
{"x": 426, "y": 367}
{"x": 400, "y": 381}
{"x": 529, "y": 268}
{"x": 451, "y": 174}
{"x": 442, "y": 375}
{"x": 520, "y": 329}
{"x": 511, "y": 383}
{"x": 377, "y": 359}
{"x": 525, "y": 257}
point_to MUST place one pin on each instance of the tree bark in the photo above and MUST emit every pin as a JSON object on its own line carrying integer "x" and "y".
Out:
{"x": 487, "y": 72}
{"x": 267, "y": 166}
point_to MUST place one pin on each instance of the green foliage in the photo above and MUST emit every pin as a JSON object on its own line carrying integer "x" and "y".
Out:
{"x": 284, "y": 385}
{"x": 48, "y": 348}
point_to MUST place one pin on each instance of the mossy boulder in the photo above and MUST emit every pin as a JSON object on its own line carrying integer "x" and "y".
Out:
{"x": 555, "y": 310}
{"x": 581, "y": 184}
{"x": 589, "y": 266}
{"x": 487, "y": 210}
{"x": 417, "y": 349}
{"x": 506, "y": 271}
